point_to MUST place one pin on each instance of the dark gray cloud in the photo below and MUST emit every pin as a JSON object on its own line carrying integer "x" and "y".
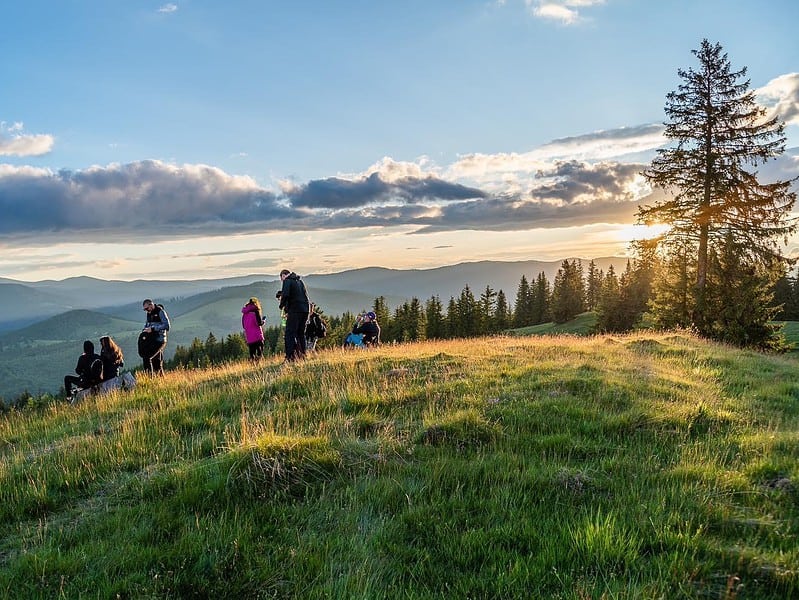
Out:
{"x": 146, "y": 197}
{"x": 576, "y": 180}
{"x": 335, "y": 193}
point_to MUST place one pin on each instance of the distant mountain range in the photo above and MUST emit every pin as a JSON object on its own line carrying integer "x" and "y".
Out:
{"x": 43, "y": 324}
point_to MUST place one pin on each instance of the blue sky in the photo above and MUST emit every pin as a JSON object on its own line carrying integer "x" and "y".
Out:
{"x": 199, "y": 139}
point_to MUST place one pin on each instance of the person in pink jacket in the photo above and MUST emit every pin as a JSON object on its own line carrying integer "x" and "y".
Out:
{"x": 252, "y": 321}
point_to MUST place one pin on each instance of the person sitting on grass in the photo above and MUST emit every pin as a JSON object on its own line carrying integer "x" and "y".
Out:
{"x": 365, "y": 332}
{"x": 89, "y": 372}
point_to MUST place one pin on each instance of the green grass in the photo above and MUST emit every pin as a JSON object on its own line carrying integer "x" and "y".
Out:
{"x": 582, "y": 324}
{"x": 640, "y": 466}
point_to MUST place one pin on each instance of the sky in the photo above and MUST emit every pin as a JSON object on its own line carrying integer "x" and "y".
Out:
{"x": 198, "y": 139}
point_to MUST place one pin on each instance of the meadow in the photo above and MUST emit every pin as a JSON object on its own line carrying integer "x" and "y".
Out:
{"x": 637, "y": 466}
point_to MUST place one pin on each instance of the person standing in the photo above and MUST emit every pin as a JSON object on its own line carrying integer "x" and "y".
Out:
{"x": 113, "y": 360}
{"x": 252, "y": 321}
{"x": 156, "y": 327}
{"x": 86, "y": 377}
{"x": 294, "y": 300}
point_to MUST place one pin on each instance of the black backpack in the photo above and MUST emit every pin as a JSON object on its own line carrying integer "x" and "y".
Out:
{"x": 319, "y": 326}
{"x": 96, "y": 371}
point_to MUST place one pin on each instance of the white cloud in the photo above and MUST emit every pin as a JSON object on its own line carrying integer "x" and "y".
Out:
{"x": 168, "y": 8}
{"x": 781, "y": 97}
{"x": 599, "y": 145}
{"x": 15, "y": 143}
{"x": 564, "y": 11}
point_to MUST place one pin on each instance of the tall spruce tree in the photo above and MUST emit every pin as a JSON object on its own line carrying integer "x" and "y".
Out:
{"x": 720, "y": 135}
{"x": 540, "y": 299}
{"x": 567, "y": 292}
{"x": 593, "y": 286}
{"x": 435, "y": 324}
{"x": 502, "y": 314}
{"x": 521, "y": 311}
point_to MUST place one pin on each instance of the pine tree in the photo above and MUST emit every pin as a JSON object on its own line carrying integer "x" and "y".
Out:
{"x": 454, "y": 328}
{"x": 593, "y": 285}
{"x": 502, "y": 314}
{"x": 567, "y": 292}
{"x": 486, "y": 309}
{"x": 468, "y": 313}
{"x": 720, "y": 135}
{"x": 540, "y": 303}
{"x": 608, "y": 307}
{"x": 435, "y": 324}
{"x": 521, "y": 311}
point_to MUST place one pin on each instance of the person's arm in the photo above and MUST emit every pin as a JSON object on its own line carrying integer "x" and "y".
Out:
{"x": 163, "y": 325}
{"x": 285, "y": 293}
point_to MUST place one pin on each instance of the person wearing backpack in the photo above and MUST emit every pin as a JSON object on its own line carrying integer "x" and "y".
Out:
{"x": 151, "y": 348}
{"x": 252, "y": 321}
{"x": 315, "y": 329}
{"x": 89, "y": 370}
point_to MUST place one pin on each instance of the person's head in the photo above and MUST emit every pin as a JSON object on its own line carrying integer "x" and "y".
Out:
{"x": 371, "y": 316}
{"x": 255, "y": 302}
{"x": 88, "y": 347}
{"x": 148, "y": 305}
{"x": 284, "y": 273}
{"x": 109, "y": 345}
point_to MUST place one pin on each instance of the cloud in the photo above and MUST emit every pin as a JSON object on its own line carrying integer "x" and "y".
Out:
{"x": 781, "y": 97}
{"x": 15, "y": 143}
{"x": 599, "y": 145}
{"x": 168, "y": 8}
{"x": 564, "y": 11}
{"x": 336, "y": 193}
{"x": 141, "y": 199}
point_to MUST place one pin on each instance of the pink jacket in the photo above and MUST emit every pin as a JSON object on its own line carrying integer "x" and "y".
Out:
{"x": 250, "y": 322}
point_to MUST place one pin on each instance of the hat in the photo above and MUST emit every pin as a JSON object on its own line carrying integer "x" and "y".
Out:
{"x": 371, "y": 315}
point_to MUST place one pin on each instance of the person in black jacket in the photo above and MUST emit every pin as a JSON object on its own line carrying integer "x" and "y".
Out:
{"x": 366, "y": 325}
{"x": 85, "y": 376}
{"x": 151, "y": 347}
{"x": 294, "y": 301}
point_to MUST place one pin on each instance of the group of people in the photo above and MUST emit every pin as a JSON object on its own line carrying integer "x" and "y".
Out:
{"x": 92, "y": 368}
{"x": 303, "y": 327}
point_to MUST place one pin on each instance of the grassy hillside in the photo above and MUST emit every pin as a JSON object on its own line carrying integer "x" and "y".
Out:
{"x": 642, "y": 466}
{"x": 581, "y": 325}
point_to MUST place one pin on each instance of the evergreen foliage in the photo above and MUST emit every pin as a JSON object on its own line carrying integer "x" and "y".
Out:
{"x": 717, "y": 203}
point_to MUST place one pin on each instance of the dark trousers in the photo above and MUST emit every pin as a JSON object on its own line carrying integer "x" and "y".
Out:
{"x": 295, "y": 335}
{"x": 256, "y": 349}
{"x": 153, "y": 360}
{"x": 70, "y": 380}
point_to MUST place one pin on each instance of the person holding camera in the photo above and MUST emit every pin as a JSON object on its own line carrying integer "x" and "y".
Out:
{"x": 366, "y": 325}
{"x": 152, "y": 339}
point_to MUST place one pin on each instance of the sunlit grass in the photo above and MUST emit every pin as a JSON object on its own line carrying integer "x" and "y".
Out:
{"x": 610, "y": 466}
